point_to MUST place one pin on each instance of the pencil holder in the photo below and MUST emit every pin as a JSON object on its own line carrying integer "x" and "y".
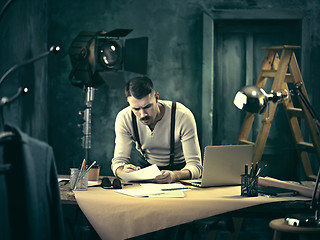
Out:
{"x": 78, "y": 179}
{"x": 249, "y": 186}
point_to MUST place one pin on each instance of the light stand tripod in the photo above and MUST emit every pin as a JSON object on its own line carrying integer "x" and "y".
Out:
{"x": 86, "y": 126}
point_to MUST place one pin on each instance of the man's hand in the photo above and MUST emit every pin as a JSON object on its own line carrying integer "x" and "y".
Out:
{"x": 130, "y": 168}
{"x": 166, "y": 177}
{"x": 127, "y": 168}
{"x": 172, "y": 176}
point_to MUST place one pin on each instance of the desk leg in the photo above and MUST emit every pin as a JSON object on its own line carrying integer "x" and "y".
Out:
{"x": 76, "y": 224}
{"x": 212, "y": 235}
{"x": 231, "y": 225}
{"x": 237, "y": 224}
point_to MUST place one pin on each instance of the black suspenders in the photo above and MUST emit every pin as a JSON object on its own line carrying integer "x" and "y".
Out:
{"x": 135, "y": 130}
{"x": 173, "y": 120}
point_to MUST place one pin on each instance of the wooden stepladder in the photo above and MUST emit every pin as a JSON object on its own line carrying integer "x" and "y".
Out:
{"x": 283, "y": 70}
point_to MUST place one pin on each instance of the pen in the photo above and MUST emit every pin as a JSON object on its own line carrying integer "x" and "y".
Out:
{"x": 255, "y": 169}
{"x": 172, "y": 189}
{"x": 251, "y": 170}
{"x": 83, "y": 164}
{"x": 260, "y": 170}
{"x": 246, "y": 170}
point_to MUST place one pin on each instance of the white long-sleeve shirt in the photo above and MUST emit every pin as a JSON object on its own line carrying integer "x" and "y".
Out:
{"x": 156, "y": 143}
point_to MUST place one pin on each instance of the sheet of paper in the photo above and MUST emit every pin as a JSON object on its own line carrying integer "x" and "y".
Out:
{"x": 165, "y": 187}
{"x": 149, "y": 192}
{"x": 138, "y": 192}
{"x": 169, "y": 190}
{"x": 144, "y": 174}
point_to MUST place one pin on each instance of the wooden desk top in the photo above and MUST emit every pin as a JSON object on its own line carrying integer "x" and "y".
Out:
{"x": 117, "y": 216}
{"x": 66, "y": 195}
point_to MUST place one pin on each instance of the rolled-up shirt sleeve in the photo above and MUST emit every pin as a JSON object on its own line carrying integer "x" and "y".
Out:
{"x": 123, "y": 142}
{"x": 190, "y": 144}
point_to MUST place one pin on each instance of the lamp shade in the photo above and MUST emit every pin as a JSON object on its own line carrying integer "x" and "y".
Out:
{"x": 251, "y": 99}
{"x": 110, "y": 54}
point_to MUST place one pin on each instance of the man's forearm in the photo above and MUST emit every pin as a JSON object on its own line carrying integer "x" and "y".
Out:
{"x": 182, "y": 174}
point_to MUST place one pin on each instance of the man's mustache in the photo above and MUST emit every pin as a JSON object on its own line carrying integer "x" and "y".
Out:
{"x": 146, "y": 118}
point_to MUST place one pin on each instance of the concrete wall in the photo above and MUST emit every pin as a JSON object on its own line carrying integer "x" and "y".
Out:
{"x": 23, "y": 34}
{"x": 174, "y": 29}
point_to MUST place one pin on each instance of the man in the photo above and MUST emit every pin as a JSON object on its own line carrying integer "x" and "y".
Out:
{"x": 153, "y": 130}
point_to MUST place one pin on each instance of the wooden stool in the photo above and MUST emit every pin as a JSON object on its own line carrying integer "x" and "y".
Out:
{"x": 284, "y": 231}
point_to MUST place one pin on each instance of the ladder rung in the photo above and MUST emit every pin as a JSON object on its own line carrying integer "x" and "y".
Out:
{"x": 243, "y": 141}
{"x": 289, "y": 78}
{"x": 268, "y": 73}
{"x": 295, "y": 112}
{"x": 281, "y": 47}
{"x": 304, "y": 146}
{"x": 272, "y": 74}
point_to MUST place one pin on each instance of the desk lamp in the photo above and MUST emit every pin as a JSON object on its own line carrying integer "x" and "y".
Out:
{"x": 254, "y": 99}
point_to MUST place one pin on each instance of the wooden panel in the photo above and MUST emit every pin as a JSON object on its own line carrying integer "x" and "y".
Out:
{"x": 229, "y": 78}
{"x": 207, "y": 82}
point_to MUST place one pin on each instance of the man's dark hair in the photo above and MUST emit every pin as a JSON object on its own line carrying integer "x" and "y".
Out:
{"x": 139, "y": 87}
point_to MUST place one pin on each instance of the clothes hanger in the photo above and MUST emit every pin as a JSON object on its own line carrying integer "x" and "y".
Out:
{"x": 6, "y": 136}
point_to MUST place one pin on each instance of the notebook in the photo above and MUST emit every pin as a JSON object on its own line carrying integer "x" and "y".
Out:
{"x": 276, "y": 191}
{"x": 223, "y": 165}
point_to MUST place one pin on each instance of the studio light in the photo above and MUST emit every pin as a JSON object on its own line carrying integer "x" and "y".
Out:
{"x": 97, "y": 56}
{"x": 254, "y": 99}
{"x": 101, "y": 57}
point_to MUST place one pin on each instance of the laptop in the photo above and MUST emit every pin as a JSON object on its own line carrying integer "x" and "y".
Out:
{"x": 223, "y": 165}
